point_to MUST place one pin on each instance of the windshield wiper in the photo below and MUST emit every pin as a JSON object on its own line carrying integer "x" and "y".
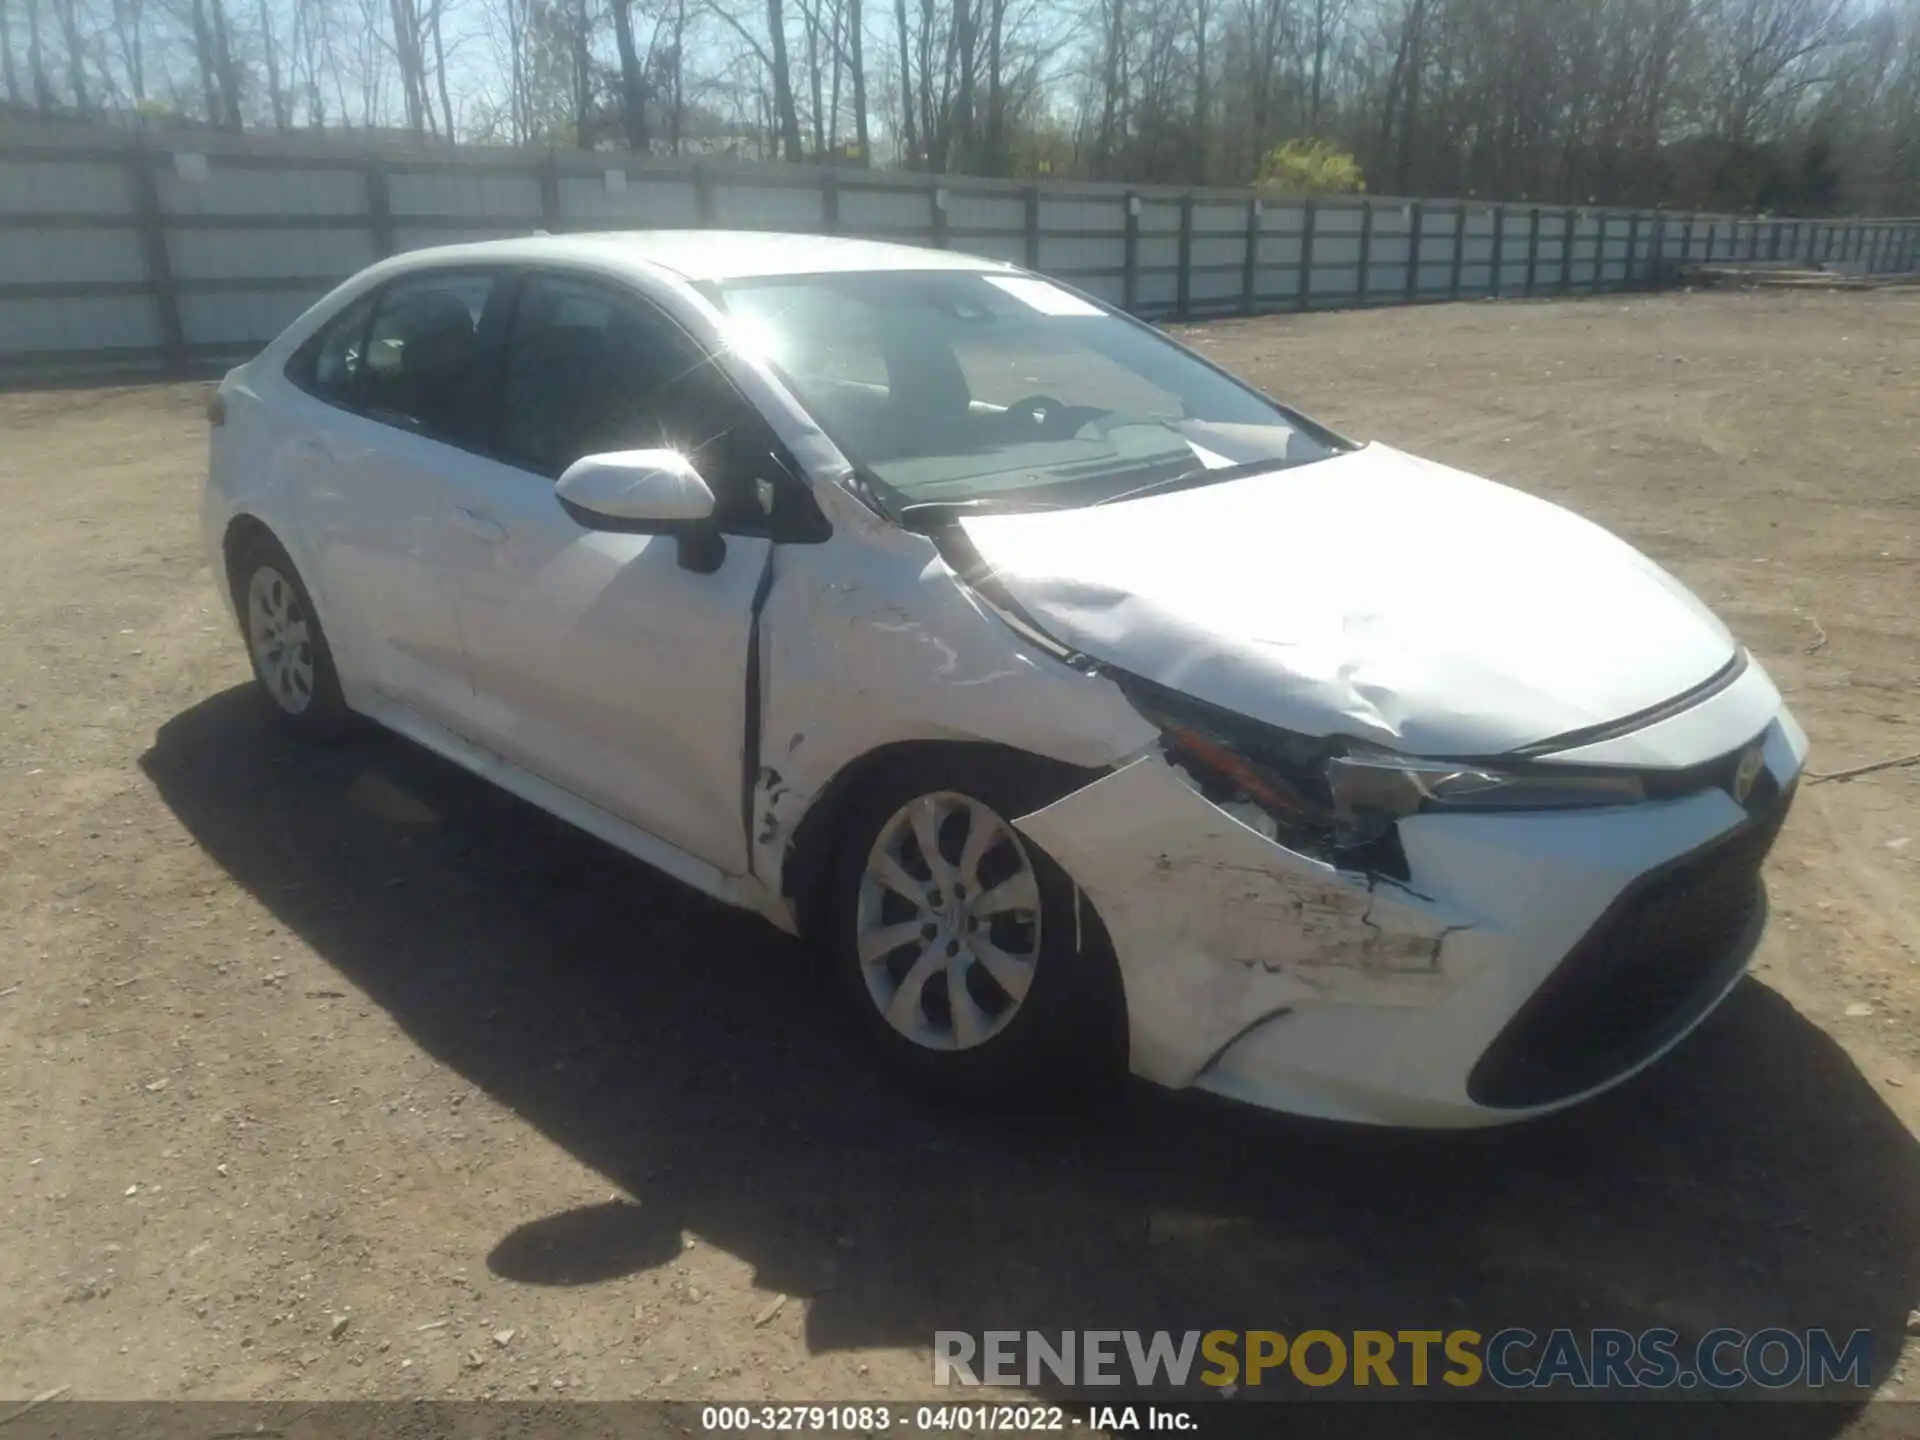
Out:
{"x": 927, "y": 517}
{"x": 1199, "y": 475}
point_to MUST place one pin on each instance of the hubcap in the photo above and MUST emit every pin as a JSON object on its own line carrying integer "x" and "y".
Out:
{"x": 948, "y": 922}
{"x": 282, "y": 644}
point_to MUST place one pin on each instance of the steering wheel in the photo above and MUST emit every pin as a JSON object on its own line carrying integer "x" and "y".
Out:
{"x": 1045, "y": 411}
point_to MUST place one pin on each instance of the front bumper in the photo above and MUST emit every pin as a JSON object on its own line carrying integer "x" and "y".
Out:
{"x": 1532, "y": 959}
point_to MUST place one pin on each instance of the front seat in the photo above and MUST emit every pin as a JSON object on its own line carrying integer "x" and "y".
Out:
{"x": 928, "y": 403}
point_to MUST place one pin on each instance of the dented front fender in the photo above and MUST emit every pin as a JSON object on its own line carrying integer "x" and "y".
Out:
{"x": 1217, "y": 928}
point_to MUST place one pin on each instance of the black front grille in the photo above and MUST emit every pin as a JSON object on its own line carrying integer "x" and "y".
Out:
{"x": 1715, "y": 774}
{"x": 1640, "y": 976}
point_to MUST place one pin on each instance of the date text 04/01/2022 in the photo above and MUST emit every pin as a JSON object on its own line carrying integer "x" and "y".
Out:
{"x": 873, "y": 1419}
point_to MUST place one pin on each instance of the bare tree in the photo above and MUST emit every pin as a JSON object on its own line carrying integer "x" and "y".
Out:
{"x": 71, "y": 39}
{"x": 276, "y": 96}
{"x": 435, "y": 29}
{"x": 772, "y": 57}
{"x": 1763, "y": 48}
{"x": 1265, "y": 26}
{"x": 582, "y": 39}
{"x": 1706, "y": 103}
{"x": 908, "y": 130}
{"x": 788, "y": 117}
{"x": 819, "y": 48}
{"x": 129, "y": 37}
{"x": 677, "y": 109}
{"x": 1114, "y": 116}
{"x": 507, "y": 26}
{"x": 633, "y": 78}
{"x": 958, "y": 153}
{"x": 410, "y": 55}
{"x": 1327, "y": 15}
{"x": 1400, "y": 111}
{"x": 9, "y": 74}
{"x": 857, "y": 64}
{"x": 229, "y": 117}
{"x": 209, "y": 66}
{"x": 1202, "y": 13}
{"x": 996, "y": 137}
{"x": 369, "y": 56}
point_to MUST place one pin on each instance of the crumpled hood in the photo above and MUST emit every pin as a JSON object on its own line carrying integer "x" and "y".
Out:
{"x": 1374, "y": 595}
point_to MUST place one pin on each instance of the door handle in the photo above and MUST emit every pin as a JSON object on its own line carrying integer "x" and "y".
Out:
{"x": 481, "y": 527}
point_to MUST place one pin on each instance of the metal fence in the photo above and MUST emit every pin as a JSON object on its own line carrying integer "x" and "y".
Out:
{"x": 146, "y": 252}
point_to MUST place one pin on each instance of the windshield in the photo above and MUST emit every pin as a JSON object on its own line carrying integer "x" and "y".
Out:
{"x": 1004, "y": 391}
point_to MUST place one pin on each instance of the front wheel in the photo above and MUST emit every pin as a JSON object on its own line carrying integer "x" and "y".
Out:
{"x": 962, "y": 948}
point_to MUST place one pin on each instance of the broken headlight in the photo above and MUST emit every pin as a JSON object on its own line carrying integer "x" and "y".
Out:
{"x": 1370, "y": 789}
{"x": 1340, "y": 792}
{"x": 1236, "y": 761}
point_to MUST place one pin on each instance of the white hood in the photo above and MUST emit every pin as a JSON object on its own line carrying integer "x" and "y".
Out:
{"x": 1374, "y": 595}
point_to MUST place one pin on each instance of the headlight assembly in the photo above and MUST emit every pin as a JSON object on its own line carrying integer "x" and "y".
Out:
{"x": 1289, "y": 798}
{"x": 1336, "y": 792}
{"x": 1371, "y": 789}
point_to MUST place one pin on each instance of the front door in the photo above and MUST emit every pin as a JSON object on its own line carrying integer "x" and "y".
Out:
{"x": 598, "y": 662}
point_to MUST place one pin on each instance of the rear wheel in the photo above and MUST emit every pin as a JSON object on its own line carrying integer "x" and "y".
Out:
{"x": 289, "y": 651}
{"x": 958, "y": 942}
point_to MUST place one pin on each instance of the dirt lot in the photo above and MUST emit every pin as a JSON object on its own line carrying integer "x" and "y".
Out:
{"x": 288, "y": 1037}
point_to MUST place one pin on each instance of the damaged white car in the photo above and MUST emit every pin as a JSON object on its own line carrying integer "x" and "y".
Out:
{"x": 1081, "y": 700}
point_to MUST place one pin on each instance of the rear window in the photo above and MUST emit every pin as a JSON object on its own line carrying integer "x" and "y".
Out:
{"x": 423, "y": 368}
{"x": 328, "y": 364}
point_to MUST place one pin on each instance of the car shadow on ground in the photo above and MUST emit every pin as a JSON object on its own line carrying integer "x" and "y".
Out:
{"x": 687, "y": 1053}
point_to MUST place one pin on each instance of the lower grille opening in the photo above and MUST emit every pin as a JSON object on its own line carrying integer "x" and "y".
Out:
{"x": 1640, "y": 976}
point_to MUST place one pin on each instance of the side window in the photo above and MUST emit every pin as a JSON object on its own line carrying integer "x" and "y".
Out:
{"x": 588, "y": 371}
{"x": 423, "y": 365}
{"x": 327, "y": 366}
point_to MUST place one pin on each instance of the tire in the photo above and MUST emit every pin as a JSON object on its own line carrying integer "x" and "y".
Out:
{"x": 1060, "y": 1015}
{"x": 292, "y": 662}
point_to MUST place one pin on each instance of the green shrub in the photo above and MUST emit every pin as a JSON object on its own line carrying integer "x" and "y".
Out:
{"x": 1310, "y": 167}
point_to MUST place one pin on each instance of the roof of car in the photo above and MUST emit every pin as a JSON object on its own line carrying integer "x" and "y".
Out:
{"x": 716, "y": 254}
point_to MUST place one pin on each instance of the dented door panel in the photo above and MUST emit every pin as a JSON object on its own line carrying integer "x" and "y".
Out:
{"x": 876, "y": 643}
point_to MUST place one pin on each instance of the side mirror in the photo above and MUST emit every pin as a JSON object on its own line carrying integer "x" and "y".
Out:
{"x": 645, "y": 492}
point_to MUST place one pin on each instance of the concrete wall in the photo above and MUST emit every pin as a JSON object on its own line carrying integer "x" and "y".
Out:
{"x": 152, "y": 252}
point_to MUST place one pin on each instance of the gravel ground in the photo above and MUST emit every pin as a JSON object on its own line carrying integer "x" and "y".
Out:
{"x": 335, "y": 1075}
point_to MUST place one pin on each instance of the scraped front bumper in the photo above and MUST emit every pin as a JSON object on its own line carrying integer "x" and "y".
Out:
{"x": 1528, "y": 961}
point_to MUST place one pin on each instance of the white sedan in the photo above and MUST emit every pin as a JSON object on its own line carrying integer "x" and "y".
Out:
{"x": 1079, "y": 700}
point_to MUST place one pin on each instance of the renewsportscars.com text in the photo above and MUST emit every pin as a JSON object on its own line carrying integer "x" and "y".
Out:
{"x": 1233, "y": 1361}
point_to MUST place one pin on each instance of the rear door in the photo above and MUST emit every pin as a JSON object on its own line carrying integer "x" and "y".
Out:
{"x": 409, "y": 372}
{"x": 598, "y": 661}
